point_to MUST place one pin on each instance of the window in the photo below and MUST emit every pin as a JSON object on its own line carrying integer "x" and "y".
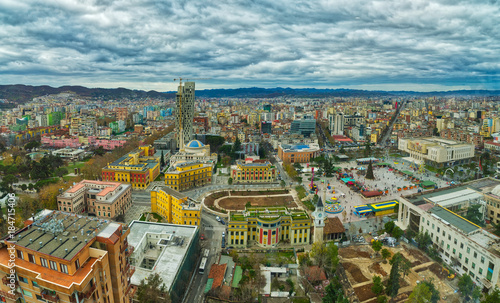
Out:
{"x": 461, "y": 245}
{"x": 466, "y": 260}
{"x": 480, "y": 271}
{"x": 460, "y": 255}
{"x": 482, "y": 259}
{"x": 27, "y": 293}
{"x": 455, "y": 241}
{"x": 44, "y": 262}
{"x": 31, "y": 258}
{"x": 454, "y": 251}
{"x": 64, "y": 268}
{"x": 473, "y": 265}
{"x": 475, "y": 254}
{"x": 22, "y": 279}
{"x": 53, "y": 265}
{"x": 439, "y": 229}
{"x": 20, "y": 254}
{"x": 468, "y": 250}
{"x": 77, "y": 264}
{"x": 34, "y": 284}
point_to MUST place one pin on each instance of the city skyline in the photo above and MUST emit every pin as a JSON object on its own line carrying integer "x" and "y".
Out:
{"x": 390, "y": 45}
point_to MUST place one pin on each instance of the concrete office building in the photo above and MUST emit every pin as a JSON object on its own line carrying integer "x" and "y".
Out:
{"x": 169, "y": 250}
{"x": 336, "y": 122}
{"x": 303, "y": 127}
{"x": 184, "y": 113}
{"x": 465, "y": 246}
{"x": 437, "y": 152}
{"x": 62, "y": 257}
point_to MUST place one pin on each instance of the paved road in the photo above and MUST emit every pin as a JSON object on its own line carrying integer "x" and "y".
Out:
{"x": 213, "y": 234}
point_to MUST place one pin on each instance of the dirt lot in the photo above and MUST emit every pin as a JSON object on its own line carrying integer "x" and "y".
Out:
{"x": 259, "y": 193}
{"x": 361, "y": 268}
{"x": 238, "y": 203}
{"x": 355, "y": 252}
{"x": 209, "y": 200}
{"x": 355, "y": 272}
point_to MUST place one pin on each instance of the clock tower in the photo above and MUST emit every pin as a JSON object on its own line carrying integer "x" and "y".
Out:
{"x": 319, "y": 221}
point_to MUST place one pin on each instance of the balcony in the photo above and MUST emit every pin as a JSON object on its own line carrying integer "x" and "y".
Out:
{"x": 6, "y": 281}
{"x": 129, "y": 250}
{"x": 72, "y": 299}
{"x": 50, "y": 295}
{"x": 132, "y": 270}
{"x": 89, "y": 292}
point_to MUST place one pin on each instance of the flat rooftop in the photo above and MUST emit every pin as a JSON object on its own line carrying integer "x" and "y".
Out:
{"x": 453, "y": 219}
{"x": 170, "y": 246}
{"x": 61, "y": 234}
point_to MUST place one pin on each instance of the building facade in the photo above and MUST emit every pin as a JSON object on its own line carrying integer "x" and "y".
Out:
{"x": 103, "y": 199}
{"x": 256, "y": 171}
{"x": 194, "y": 150}
{"x": 463, "y": 245}
{"x": 437, "y": 152}
{"x": 139, "y": 168}
{"x": 61, "y": 257}
{"x": 188, "y": 175}
{"x": 185, "y": 113}
{"x": 175, "y": 207}
{"x": 266, "y": 227}
{"x": 298, "y": 153}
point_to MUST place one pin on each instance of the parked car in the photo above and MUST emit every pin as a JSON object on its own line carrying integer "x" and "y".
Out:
{"x": 217, "y": 218}
{"x": 222, "y": 222}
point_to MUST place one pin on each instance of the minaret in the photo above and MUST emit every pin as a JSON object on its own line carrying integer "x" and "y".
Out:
{"x": 319, "y": 221}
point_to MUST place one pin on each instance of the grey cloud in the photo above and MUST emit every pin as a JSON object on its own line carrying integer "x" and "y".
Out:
{"x": 296, "y": 42}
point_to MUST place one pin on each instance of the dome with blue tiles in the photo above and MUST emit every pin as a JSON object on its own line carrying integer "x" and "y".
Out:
{"x": 195, "y": 144}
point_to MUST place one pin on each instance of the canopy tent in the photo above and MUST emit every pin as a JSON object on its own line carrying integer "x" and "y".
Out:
{"x": 382, "y": 164}
{"x": 407, "y": 172}
{"x": 347, "y": 180}
{"x": 427, "y": 184}
{"x": 362, "y": 210}
{"x": 373, "y": 193}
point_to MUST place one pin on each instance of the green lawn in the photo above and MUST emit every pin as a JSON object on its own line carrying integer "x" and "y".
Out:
{"x": 301, "y": 191}
{"x": 71, "y": 167}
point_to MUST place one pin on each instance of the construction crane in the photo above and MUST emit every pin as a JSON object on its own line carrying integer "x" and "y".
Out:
{"x": 181, "y": 90}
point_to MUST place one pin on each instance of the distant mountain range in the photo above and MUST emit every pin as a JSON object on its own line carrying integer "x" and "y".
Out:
{"x": 22, "y": 93}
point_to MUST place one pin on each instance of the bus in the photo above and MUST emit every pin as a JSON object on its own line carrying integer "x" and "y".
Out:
{"x": 206, "y": 252}
{"x": 203, "y": 263}
{"x": 223, "y": 244}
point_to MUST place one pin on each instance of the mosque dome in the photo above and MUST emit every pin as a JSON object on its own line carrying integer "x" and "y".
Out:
{"x": 194, "y": 144}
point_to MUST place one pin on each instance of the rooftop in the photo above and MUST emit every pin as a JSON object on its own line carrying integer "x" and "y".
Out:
{"x": 63, "y": 235}
{"x": 165, "y": 244}
{"x": 453, "y": 219}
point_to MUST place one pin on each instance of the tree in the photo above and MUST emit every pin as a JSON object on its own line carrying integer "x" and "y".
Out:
{"x": 492, "y": 297}
{"x": 389, "y": 226}
{"x": 397, "y": 232}
{"x": 386, "y": 254}
{"x": 162, "y": 160}
{"x": 434, "y": 292}
{"x": 230, "y": 181}
{"x": 377, "y": 246}
{"x": 393, "y": 282}
{"x": 292, "y": 286}
{"x": 236, "y": 148}
{"x": 152, "y": 291}
{"x": 423, "y": 240}
{"x": 421, "y": 294}
{"x": 368, "y": 149}
{"x": 377, "y": 287}
{"x": 334, "y": 292}
{"x": 468, "y": 289}
{"x": 342, "y": 150}
{"x": 381, "y": 299}
{"x": 474, "y": 214}
{"x": 282, "y": 183}
{"x": 369, "y": 172}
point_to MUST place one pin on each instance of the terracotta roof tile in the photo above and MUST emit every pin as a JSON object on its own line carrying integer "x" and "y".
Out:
{"x": 217, "y": 273}
{"x": 333, "y": 226}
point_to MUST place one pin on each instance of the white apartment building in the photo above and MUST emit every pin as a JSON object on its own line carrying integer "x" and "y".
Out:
{"x": 437, "y": 152}
{"x": 465, "y": 246}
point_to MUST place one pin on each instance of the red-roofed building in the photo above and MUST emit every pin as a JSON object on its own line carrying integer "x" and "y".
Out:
{"x": 217, "y": 273}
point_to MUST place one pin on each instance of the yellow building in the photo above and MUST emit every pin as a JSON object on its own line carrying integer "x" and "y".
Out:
{"x": 187, "y": 175}
{"x": 174, "y": 206}
{"x": 139, "y": 168}
{"x": 258, "y": 171}
{"x": 266, "y": 227}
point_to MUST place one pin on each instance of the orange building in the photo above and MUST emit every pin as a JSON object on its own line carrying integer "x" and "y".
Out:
{"x": 298, "y": 153}
{"x": 103, "y": 199}
{"x": 62, "y": 257}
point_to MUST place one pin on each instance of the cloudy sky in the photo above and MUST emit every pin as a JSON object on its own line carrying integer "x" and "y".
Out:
{"x": 141, "y": 44}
